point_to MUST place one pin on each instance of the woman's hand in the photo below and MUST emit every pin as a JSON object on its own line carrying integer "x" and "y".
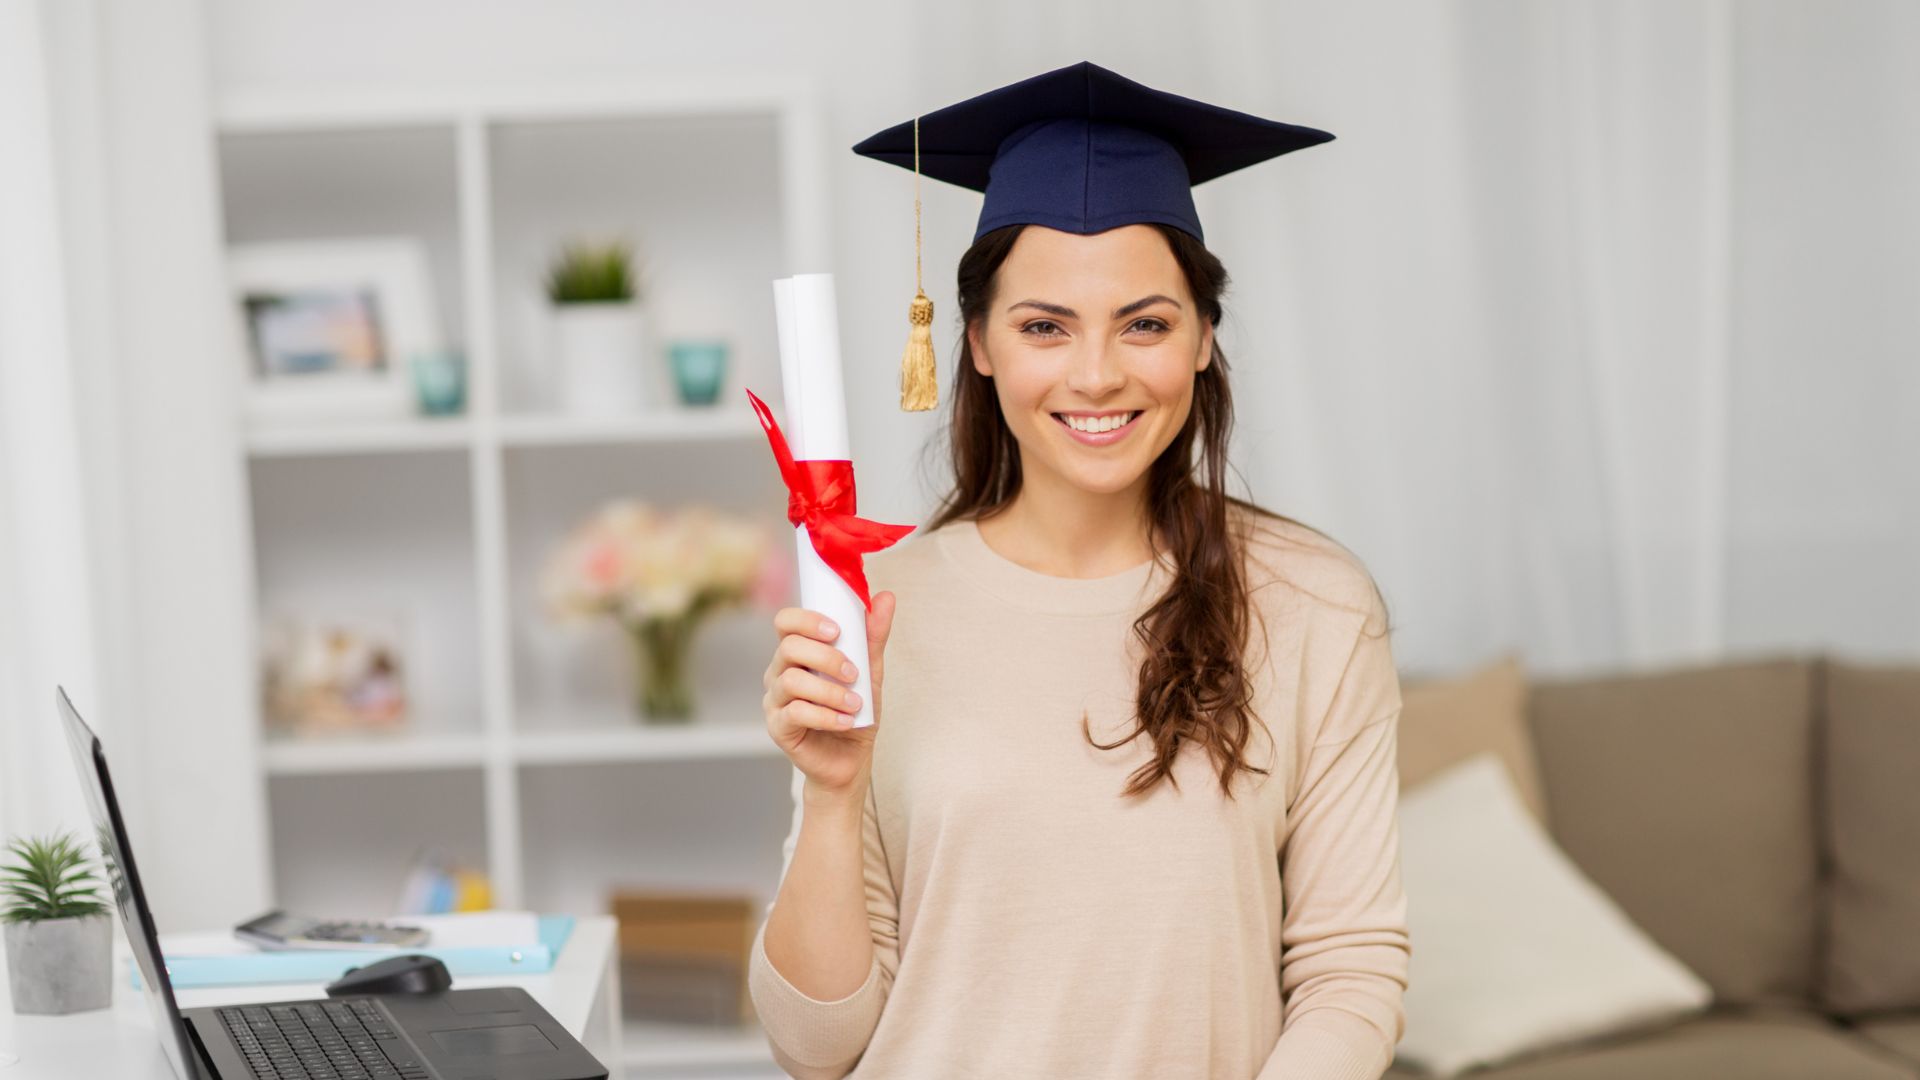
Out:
{"x": 808, "y": 714}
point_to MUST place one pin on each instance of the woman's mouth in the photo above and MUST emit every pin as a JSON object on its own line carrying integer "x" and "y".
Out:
{"x": 1098, "y": 429}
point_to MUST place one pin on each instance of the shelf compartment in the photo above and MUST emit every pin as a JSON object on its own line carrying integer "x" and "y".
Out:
{"x": 708, "y": 825}
{"x": 698, "y": 196}
{"x": 343, "y": 844}
{"x": 351, "y": 183}
{"x": 388, "y": 538}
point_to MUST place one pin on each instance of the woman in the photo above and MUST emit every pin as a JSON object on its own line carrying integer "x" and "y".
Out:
{"x": 1129, "y": 811}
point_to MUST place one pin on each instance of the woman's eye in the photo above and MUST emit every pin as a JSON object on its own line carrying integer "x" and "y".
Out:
{"x": 1153, "y": 326}
{"x": 1028, "y": 329}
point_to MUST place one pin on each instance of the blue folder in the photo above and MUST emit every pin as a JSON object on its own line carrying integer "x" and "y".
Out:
{"x": 326, "y": 965}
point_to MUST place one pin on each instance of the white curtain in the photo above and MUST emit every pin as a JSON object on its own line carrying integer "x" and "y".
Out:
{"x": 1588, "y": 332}
{"x": 122, "y": 513}
{"x": 46, "y": 580}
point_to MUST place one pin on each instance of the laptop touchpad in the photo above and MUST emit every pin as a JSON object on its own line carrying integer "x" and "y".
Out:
{"x": 473, "y": 1042}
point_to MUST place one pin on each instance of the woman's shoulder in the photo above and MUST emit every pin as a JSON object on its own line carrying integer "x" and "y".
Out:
{"x": 913, "y": 558}
{"x": 1291, "y": 563}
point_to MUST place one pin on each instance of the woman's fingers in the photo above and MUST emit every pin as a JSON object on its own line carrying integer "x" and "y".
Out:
{"x": 803, "y": 641}
{"x": 794, "y": 620}
{"x": 797, "y": 713}
{"x": 800, "y": 684}
{"x": 795, "y": 649}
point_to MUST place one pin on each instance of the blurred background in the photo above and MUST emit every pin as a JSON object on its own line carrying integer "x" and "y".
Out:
{"x": 321, "y": 441}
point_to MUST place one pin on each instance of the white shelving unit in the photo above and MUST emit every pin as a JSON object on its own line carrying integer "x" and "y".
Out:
{"x": 524, "y": 755}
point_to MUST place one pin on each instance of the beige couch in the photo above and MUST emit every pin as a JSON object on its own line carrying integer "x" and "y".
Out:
{"x": 1761, "y": 821}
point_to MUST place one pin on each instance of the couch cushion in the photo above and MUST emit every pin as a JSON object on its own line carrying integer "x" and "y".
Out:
{"x": 1445, "y": 721}
{"x": 1687, "y": 794}
{"x": 1900, "y": 1034}
{"x": 1516, "y": 951}
{"x": 1768, "y": 1044}
{"x": 1872, "y": 830}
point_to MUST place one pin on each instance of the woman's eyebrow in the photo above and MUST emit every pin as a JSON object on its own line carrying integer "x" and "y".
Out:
{"x": 1118, "y": 313}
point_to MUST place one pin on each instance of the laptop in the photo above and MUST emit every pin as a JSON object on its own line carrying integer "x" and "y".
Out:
{"x": 489, "y": 1034}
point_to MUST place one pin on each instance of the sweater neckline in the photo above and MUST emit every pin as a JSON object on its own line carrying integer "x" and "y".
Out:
{"x": 1021, "y": 586}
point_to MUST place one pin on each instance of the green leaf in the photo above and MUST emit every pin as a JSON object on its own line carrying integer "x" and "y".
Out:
{"x": 49, "y": 878}
{"x": 585, "y": 273}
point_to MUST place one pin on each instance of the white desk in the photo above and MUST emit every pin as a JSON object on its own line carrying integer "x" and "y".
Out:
{"x": 582, "y": 992}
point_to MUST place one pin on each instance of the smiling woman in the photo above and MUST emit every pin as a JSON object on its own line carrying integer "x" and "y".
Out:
{"x": 1077, "y": 624}
{"x": 1038, "y": 436}
{"x": 1122, "y": 379}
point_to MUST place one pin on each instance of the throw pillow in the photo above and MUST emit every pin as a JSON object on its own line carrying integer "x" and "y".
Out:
{"x": 1514, "y": 950}
{"x": 1445, "y": 721}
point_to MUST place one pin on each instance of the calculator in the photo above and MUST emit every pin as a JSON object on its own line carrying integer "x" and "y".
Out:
{"x": 281, "y": 930}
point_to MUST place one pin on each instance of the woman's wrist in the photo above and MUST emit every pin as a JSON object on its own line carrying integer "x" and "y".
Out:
{"x": 841, "y": 802}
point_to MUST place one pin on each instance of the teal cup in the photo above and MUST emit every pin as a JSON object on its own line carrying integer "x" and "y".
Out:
{"x": 440, "y": 382}
{"x": 699, "y": 369}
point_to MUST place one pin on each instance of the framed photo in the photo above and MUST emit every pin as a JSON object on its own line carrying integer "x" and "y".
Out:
{"x": 334, "y": 672}
{"x": 331, "y": 326}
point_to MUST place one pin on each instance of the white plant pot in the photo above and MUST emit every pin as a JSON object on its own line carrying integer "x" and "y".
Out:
{"x": 599, "y": 352}
{"x": 59, "y": 966}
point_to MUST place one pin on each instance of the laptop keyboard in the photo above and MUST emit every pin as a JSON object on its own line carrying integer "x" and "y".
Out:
{"x": 338, "y": 1039}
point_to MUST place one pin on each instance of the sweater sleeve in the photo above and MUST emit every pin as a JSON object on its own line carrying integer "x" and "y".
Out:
{"x": 1343, "y": 935}
{"x": 822, "y": 1040}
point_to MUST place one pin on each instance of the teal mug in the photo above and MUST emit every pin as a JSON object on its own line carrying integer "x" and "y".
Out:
{"x": 699, "y": 368}
{"x": 440, "y": 381}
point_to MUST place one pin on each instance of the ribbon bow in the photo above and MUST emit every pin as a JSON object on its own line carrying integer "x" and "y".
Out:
{"x": 820, "y": 496}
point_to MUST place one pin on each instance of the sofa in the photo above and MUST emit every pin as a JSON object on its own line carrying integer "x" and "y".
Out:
{"x": 1760, "y": 820}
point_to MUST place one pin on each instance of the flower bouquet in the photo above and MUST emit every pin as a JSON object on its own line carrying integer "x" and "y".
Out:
{"x": 659, "y": 574}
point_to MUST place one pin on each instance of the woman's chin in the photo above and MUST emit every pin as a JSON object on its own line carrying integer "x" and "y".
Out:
{"x": 1106, "y": 481}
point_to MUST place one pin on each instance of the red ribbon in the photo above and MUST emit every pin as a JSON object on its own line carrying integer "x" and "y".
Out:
{"x": 820, "y": 496}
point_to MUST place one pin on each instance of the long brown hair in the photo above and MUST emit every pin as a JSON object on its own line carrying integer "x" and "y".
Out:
{"x": 1193, "y": 685}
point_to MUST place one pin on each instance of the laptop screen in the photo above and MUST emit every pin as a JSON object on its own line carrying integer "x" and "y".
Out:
{"x": 90, "y": 761}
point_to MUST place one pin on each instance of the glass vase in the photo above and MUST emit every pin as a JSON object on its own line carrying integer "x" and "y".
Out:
{"x": 665, "y": 687}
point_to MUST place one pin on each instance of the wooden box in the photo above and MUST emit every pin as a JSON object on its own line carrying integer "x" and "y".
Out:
{"x": 683, "y": 955}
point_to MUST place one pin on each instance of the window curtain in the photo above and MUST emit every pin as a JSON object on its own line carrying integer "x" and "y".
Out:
{"x": 47, "y": 633}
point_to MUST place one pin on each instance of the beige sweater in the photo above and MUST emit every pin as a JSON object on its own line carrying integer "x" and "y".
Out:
{"x": 1029, "y": 921}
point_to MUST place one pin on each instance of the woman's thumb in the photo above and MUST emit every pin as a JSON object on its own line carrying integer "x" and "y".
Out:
{"x": 880, "y": 619}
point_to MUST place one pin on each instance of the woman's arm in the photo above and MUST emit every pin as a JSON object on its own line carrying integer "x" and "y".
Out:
{"x": 1343, "y": 937}
{"x": 824, "y": 960}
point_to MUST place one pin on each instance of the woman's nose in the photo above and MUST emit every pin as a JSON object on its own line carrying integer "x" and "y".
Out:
{"x": 1094, "y": 372}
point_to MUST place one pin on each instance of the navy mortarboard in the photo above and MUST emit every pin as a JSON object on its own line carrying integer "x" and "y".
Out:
{"x": 1080, "y": 149}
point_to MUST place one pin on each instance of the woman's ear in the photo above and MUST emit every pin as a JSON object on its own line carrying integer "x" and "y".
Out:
{"x": 1206, "y": 346}
{"x": 977, "y": 347}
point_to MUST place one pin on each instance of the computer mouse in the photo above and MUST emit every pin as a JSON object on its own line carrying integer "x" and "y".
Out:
{"x": 408, "y": 974}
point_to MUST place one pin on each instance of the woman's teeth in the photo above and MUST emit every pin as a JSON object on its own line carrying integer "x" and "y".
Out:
{"x": 1097, "y": 424}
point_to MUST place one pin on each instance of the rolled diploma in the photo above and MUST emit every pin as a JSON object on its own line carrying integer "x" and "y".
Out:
{"x": 816, "y": 430}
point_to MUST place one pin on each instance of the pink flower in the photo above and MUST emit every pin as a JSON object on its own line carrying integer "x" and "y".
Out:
{"x": 604, "y": 562}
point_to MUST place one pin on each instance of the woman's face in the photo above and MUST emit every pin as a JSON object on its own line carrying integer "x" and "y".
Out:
{"x": 1098, "y": 329}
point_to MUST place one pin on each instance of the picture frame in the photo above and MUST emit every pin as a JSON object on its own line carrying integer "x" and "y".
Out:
{"x": 329, "y": 670}
{"x": 329, "y": 327}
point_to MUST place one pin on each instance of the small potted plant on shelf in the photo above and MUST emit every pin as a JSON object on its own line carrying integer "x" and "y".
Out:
{"x": 599, "y": 328}
{"x": 660, "y": 574}
{"x": 59, "y": 937}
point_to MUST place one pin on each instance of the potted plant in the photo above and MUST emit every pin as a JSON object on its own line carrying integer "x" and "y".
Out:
{"x": 660, "y": 574}
{"x": 59, "y": 938}
{"x": 599, "y": 332}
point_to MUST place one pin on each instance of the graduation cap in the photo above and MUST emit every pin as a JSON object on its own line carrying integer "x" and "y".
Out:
{"x": 1081, "y": 149}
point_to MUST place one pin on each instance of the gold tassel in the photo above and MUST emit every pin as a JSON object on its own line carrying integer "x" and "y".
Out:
{"x": 919, "y": 378}
{"x": 919, "y": 385}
